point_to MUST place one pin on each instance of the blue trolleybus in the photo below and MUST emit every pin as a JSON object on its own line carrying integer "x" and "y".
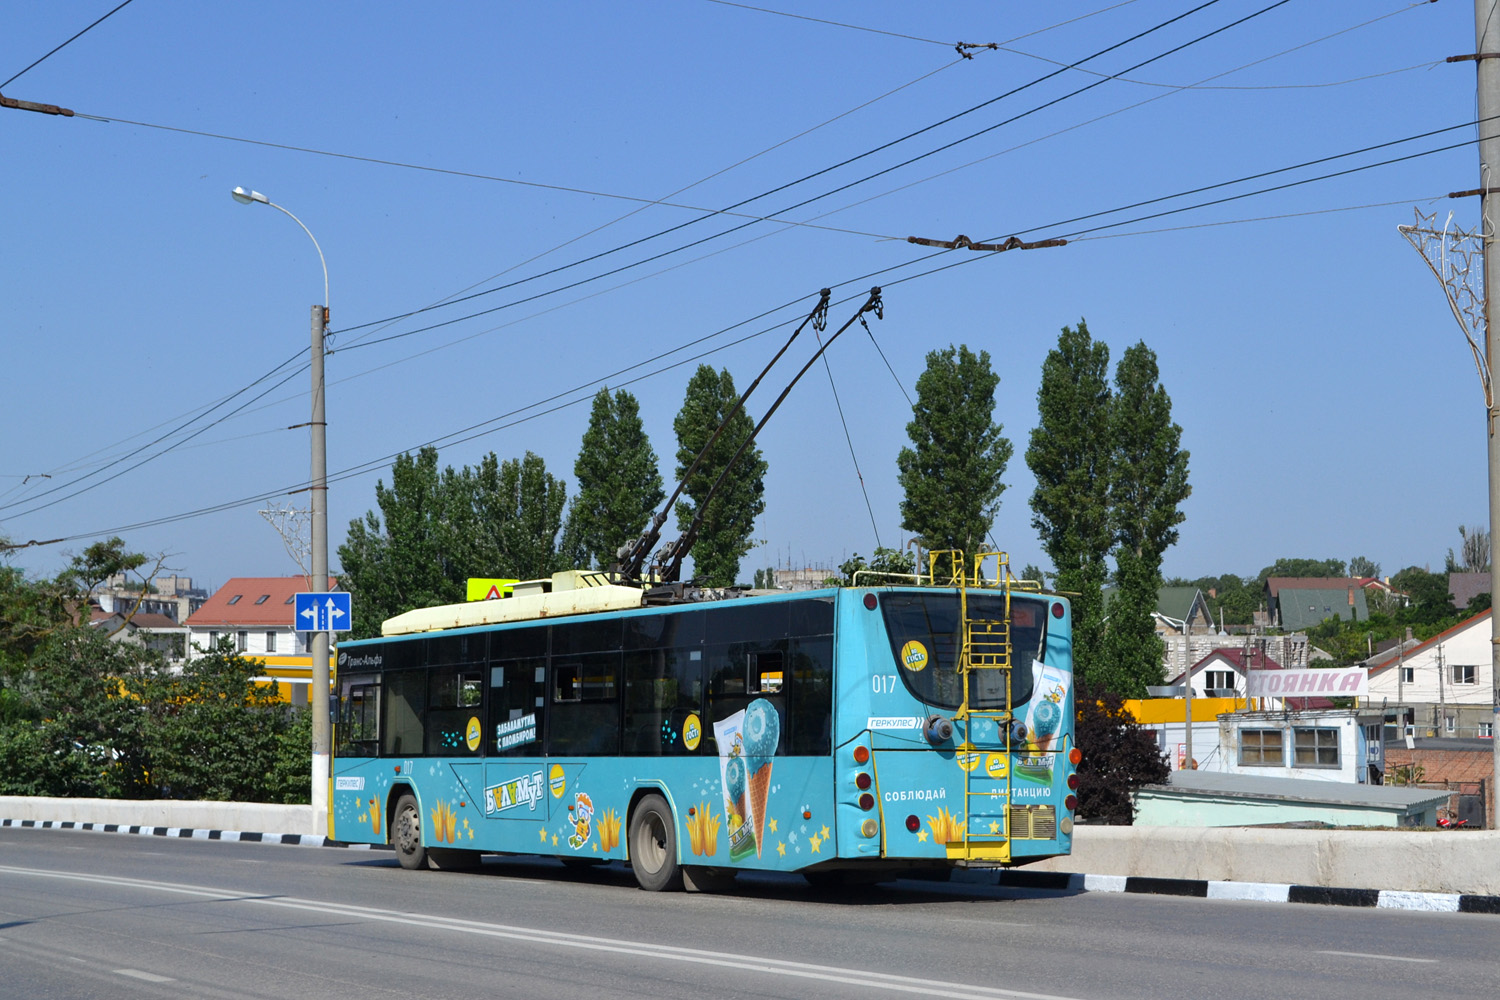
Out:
{"x": 851, "y": 731}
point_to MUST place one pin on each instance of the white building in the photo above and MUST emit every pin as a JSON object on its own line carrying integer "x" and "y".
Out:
{"x": 1442, "y": 687}
{"x": 256, "y": 613}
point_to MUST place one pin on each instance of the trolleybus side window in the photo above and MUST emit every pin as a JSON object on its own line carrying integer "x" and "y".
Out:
{"x": 516, "y": 706}
{"x": 455, "y": 696}
{"x": 811, "y": 679}
{"x": 584, "y": 717}
{"x": 664, "y": 673}
{"x": 359, "y": 715}
{"x": 405, "y": 703}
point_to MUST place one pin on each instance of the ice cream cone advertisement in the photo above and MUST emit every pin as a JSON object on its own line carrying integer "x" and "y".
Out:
{"x": 1043, "y": 719}
{"x": 747, "y": 742}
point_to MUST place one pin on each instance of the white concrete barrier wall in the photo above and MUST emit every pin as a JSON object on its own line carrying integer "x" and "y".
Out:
{"x": 247, "y": 816}
{"x": 1463, "y": 861}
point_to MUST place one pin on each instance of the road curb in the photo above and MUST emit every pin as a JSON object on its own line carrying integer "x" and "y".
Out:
{"x": 1264, "y": 892}
{"x": 187, "y": 833}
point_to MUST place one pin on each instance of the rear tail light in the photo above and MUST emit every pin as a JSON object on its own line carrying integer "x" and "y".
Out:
{"x": 867, "y": 801}
{"x": 1073, "y": 781}
{"x": 862, "y": 781}
{"x": 913, "y": 824}
{"x": 869, "y": 828}
{"x": 1071, "y": 803}
{"x": 861, "y": 754}
{"x": 1075, "y": 756}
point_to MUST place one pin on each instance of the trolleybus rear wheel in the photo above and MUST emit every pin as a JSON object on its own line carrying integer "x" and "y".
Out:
{"x": 653, "y": 845}
{"x": 406, "y": 834}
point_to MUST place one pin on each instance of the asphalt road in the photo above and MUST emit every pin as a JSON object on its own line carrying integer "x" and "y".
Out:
{"x": 87, "y": 915}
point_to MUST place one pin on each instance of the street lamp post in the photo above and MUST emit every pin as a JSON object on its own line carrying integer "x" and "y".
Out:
{"x": 321, "y": 743}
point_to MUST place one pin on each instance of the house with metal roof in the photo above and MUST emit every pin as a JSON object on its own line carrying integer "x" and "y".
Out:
{"x": 1214, "y": 798}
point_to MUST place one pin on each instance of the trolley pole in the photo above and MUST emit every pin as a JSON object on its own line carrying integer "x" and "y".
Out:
{"x": 320, "y": 707}
{"x": 1487, "y": 69}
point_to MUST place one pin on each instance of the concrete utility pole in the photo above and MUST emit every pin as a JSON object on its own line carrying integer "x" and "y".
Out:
{"x": 1487, "y": 68}
{"x": 322, "y": 744}
{"x": 1187, "y": 701}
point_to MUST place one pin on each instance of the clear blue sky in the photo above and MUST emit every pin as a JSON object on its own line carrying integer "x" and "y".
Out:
{"x": 1324, "y": 390}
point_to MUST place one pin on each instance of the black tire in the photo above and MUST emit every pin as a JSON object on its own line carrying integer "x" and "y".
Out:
{"x": 653, "y": 845}
{"x": 406, "y": 834}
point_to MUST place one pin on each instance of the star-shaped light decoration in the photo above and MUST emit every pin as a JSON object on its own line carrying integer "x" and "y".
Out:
{"x": 994, "y": 828}
{"x": 554, "y": 840}
{"x": 772, "y": 822}
{"x": 781, "y": 849}
{"x": 825, "y": 832}
{"x": 815, "y": 842}
{"x": 543, "y": 834}
{"x": 922, "y": 836}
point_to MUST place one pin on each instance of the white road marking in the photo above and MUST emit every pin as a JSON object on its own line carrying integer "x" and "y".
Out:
{"x": 149, "y": 977}
{"x": 559, "y": 939}
{"x": 1383, "y": 958}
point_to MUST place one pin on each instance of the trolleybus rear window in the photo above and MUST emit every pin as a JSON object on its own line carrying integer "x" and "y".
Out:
{"x": 934, "y": 620}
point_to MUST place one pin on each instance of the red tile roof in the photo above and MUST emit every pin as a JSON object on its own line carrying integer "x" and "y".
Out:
{"x": 253, "y": 601}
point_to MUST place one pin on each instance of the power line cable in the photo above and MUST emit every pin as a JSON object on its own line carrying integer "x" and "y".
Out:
{"x": 453, "y": 437}
{"x": 843, "y": 163}
{"x": 365, "y": 467}
{"x": 649, "y": 202}
{"x": 452, "y": 301}
{"x": 733, "y": 229}
{"x": 59, "y": 48}
{"x": 914, "y": 38}
{"x": 646, "y": 202}
{"x": 160, "y": 438}
{"x": 149, "y": 458}
{"x": 453, "y": 298}
{"x": 447, "y": 438}
{"x": 1264, "y": 174}
{"x": 788, "y": 222}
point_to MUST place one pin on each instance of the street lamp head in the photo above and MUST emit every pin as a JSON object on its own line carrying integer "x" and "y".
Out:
{"x": 246, "y": 197}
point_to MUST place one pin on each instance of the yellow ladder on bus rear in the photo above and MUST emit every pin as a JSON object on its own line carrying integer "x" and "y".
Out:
{"x": 985, "y": 645}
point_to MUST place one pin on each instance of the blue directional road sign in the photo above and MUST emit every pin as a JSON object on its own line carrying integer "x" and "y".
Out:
{"x": 330, "y": 612}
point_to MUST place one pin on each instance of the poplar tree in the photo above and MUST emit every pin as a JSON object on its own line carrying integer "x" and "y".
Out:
{"x": 1071, "y": 457}
{"x": 394, "y": 561}
{"x": 951, "y": 473}
{"x": 618, "y": 483}
{"x": 437, "y": 528}
{"x": 1148, "y": 484}
{"x": 518, "y": 508}
{"x": 724, "y": 535}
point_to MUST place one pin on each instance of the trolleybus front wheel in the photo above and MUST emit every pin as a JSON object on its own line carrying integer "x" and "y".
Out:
{"x": 653, "y": 845}
{"x": 406, "y": 834}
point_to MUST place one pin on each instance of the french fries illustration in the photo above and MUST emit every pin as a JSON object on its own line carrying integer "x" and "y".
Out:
{"x": 703, "y": 831}
{"x": 609, "y": 830}
{"x": 444, "y": 823}
{"x": 946, "y": 827}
